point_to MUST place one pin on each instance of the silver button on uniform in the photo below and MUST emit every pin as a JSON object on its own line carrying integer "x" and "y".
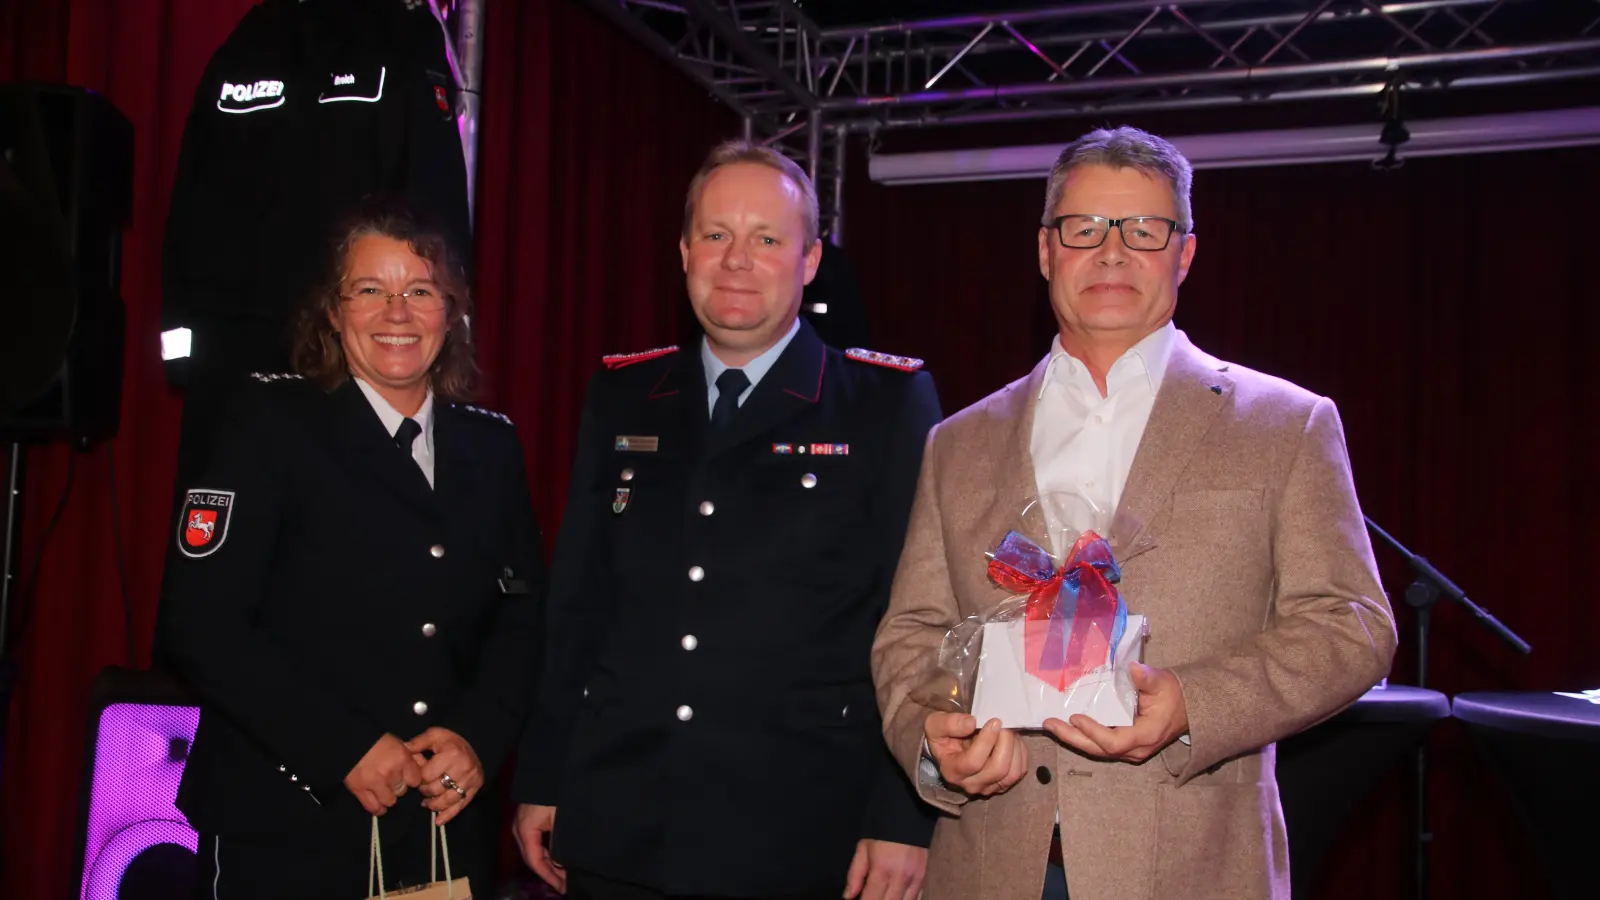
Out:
{"x": 437, "y": 550}
{"x": 690, "y": 642}
{"x": 707, "y": 507}
{"x": 428, "y": 629}
{"x": 627, "y": 474}
{"x": 685, "y": 713}
{"x": 419, "y": 708}
{"x": 697, "y": 574}
{"x": 808, "y": 480}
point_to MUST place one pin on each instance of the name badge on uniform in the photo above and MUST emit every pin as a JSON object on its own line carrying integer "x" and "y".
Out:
{"x": 358, "y": 84}
{"x": 621, "y": 503}
{"x": 638, "y": 443}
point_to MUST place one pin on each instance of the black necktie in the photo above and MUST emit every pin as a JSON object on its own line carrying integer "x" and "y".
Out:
{"x": 730, "y": 385}
{"x": 406, "y": 434}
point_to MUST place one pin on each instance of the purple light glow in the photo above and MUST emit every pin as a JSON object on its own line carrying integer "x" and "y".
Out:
{"x": 132, "y": 791}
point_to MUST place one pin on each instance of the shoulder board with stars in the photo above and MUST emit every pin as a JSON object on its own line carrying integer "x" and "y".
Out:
{"x": 621, "y": 360}
{"x": 903, "y": 363}
{"x": 270, "y": 377}
{"x": 486, "y": 413}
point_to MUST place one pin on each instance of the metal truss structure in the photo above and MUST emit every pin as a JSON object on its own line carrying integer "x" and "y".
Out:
{"x": 806, "y": 87}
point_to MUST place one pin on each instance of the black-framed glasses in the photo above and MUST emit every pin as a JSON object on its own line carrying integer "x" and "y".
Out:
{"x": 1145, "y": 233}
{"x": 423, "y": 299}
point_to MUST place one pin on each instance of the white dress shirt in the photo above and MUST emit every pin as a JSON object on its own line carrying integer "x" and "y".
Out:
{"x": 754, "y": 369}
{"x": 1083, "y": 444}
{"x": 422, "y": 447}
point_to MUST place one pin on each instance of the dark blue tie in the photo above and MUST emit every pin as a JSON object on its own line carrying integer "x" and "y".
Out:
{"x": 730, "y": 385}
{"x": 406, "y": 434}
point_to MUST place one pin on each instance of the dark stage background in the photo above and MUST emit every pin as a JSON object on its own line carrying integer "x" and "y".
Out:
{"x": 1448, "y": 308}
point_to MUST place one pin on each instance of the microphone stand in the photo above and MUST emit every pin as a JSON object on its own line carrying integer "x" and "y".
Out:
{"x": 1428, "y": 587}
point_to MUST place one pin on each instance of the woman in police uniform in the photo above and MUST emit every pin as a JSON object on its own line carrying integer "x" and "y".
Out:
{"x": 354, "y": 591}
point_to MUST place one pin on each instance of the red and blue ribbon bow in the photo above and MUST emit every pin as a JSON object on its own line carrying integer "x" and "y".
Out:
{"x": 1074, "y": 617}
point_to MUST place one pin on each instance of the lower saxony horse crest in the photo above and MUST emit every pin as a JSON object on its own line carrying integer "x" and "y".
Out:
{"x": 204, "y": 523}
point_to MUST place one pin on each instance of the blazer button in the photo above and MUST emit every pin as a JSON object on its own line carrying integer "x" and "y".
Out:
{"x": 627, "y": 474}
{"x": 697, "y": 574}
{"x": 1043, "y": 774}
{"x": 429, "y": 629}
{"x": 808, "y": 480}
{"x": 685, "y": 713}
{"x": 689, "y": 642}
{"x": 707, "y": 507}
{"x": 437, "y": 550}
{"x": 419, "y": 708}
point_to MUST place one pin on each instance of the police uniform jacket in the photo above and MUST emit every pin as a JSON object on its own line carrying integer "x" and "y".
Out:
{"x": 708, "y": 723}
{"x": 306, "y": 108}
{"x": 320, "y": 595}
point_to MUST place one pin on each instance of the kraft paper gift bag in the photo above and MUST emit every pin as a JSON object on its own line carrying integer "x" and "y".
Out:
{"x": 448, "y": 889}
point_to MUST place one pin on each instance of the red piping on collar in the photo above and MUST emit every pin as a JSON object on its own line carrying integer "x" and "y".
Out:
{"x": 656, "y": 393}
{"x": 817, "y": 395}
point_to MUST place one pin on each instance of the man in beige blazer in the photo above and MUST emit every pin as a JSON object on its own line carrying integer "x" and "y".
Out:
{"x": 1240, "y": 538}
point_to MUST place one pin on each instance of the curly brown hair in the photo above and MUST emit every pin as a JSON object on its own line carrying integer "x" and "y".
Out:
{"x": 316, "y": 353}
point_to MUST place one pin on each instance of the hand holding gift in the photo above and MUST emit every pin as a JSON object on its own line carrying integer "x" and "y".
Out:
{"x": 1162, "y": 718}
{"x": 979, "y": 762}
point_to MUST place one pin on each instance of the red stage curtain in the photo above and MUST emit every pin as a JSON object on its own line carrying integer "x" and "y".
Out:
{"x": 1451, "y": 315}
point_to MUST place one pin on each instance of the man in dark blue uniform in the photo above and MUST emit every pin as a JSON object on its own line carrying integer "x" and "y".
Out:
{"x": 707, "y": 727}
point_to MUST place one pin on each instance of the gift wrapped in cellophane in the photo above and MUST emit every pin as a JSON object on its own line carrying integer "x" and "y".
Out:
{"x": 1059, "y": 644}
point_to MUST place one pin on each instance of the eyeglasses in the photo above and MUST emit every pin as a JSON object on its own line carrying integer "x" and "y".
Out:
{"x": 369, "y": 298}
{"x": 1146, "y": 233}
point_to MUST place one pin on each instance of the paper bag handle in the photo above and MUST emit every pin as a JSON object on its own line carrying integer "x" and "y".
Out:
{"x": 436, "y": 838}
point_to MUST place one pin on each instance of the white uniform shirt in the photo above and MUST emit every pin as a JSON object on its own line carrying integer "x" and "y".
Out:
{"x": 422, "y": 447}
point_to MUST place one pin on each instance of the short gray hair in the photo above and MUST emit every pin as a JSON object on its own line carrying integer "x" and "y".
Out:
{"x": 736, "y": 151}
{"x": 1125, "y": 148}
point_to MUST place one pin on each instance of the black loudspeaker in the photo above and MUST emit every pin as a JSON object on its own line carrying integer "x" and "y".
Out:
{"x": 136, "y": 844}
{"x": 66, "y": 181}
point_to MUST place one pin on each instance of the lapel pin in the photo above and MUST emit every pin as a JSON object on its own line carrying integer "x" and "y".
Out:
{"x": 783, "y": 449}
{"x": 637, "y": 443}
{"x": 621, "y": 502}
{"x": 829, "y": 450}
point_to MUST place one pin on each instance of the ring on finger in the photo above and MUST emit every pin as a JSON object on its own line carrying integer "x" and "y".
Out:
{"x": 462, "y": 791}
